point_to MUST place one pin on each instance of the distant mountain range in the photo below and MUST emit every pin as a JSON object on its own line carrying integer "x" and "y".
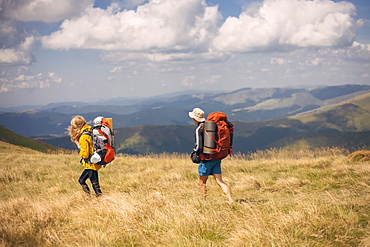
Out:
{"x": 264, "y": 118}
{"x": 348, "y": 116}
{"x": 244, "y": 105}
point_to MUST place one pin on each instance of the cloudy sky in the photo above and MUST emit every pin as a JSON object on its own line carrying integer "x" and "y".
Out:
{"x": 87, "y": 50}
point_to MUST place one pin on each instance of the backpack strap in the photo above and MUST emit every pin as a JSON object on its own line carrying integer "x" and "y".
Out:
{"x": 198, "y": 140}
{"x": 214, "y": 139}
{"x": 87, "y": 132}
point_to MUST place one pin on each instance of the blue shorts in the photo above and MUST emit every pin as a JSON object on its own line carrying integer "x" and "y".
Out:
{"x": 209, "y": 168}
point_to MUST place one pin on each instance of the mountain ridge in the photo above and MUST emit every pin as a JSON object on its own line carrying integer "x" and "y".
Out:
{"x": 245, "y": 105}
{"x": 338, "y": 126}
{"x": 164, "y": 126}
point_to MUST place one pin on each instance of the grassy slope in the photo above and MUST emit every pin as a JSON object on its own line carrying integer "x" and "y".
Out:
{"x": 352, "y": 115}
{"x": 284, "y": 199}
{"x": 13, "y": 138}
{"x": 348, "y": 140}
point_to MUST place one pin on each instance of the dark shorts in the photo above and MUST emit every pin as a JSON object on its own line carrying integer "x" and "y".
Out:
{"x": 209, "y": 168}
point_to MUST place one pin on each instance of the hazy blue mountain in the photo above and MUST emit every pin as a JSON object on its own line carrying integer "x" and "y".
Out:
{"x": 243, "y": 105}
{"x": 346, "y": 124}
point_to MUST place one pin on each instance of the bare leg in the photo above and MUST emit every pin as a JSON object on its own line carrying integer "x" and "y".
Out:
{"x": 225, "y": 188}
{"x": 203, "y": 188}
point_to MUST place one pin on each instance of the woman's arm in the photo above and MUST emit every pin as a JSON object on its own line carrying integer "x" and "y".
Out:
{"x": 85, "y": 146}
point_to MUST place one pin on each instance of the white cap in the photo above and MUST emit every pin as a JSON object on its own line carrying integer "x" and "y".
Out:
{"x": 197, "y": 114}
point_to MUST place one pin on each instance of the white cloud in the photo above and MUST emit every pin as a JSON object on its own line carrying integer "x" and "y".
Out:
{"x": 361, "y": 47}
{"x": 157, "y": 57}
{"x": 160, "y": 25}
{"x": 23, "y": 78}
{"x": 16, "y": 46}
{"x": 21, "y": 54}
{"x": 44, "y": 10}
{"x": 187, "y": 81}
{"x": 116, "y": 69}
{"x": 161, "y": 39}
{"x": 359, "y": 51}
{"x": 316, "y": 61}
{"x": 213, "y": 79}
{"x": 166, "y": 30}
{"x": 355, "y": 52}
{"x": 289, "y": 23}
{"x": 53, "y": 77}
{"x": 279, "y": 61}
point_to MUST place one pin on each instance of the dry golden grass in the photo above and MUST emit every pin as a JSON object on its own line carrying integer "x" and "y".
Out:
{"x": 361, "y": 155}
{"x": 307, "y": 198}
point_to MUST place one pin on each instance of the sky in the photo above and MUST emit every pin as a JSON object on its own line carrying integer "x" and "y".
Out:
{"x": 91, "y": 50}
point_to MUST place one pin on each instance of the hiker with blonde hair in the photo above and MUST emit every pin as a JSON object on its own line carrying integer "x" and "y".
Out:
{"x": 81, "y": 134}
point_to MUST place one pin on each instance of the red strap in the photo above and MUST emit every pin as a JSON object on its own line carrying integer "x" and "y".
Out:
{"x": 210, "y": 136}
{"x": 210, "y": 149}
{"x": 106, "y": 136}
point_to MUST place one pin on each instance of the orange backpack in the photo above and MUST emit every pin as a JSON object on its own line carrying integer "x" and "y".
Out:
{"x": 221, "y": 139}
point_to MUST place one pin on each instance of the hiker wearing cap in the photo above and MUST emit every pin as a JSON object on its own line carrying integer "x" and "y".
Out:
{"x": 81, "y": 134}
{"x": 205, "y": 167}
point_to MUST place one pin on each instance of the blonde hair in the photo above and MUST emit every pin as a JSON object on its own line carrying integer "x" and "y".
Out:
{"x": 74, "y": 130}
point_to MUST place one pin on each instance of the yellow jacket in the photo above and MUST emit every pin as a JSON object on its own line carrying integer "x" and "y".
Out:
{"x": 87, "y": 148}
